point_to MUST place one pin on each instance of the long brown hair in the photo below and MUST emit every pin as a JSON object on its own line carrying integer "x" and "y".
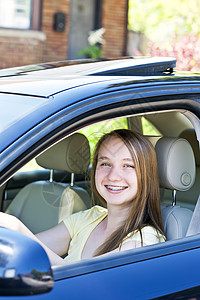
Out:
{"x": 145, "y": 209}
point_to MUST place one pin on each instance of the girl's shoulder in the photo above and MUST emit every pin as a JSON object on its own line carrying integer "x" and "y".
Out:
{"x": 151, "y": 231}
{"x": 88, "y": 214}
{"x": 84, "y": 218}
{"x": 99, "y": 210}
{"x": 94, "y": 211}
{"x": 149, "y": 236}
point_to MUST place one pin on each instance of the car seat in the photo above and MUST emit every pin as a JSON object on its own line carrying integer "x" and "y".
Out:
{"x": 176, "y": 168}
{"x": 193, "y": 193}
{"x": 43, "y": 204}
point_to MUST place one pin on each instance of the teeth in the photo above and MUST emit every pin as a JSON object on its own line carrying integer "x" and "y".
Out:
{"x": 115, "y": 188}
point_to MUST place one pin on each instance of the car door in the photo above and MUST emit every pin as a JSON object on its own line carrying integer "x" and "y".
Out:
{"x": 145, "y": 273}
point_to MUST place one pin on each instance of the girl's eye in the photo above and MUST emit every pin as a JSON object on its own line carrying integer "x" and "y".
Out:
{"x": 105, "y": 164}
{"x": 129, "y": 166}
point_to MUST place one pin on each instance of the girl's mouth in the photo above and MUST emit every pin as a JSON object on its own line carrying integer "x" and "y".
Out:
{"x": 115, "y": 188}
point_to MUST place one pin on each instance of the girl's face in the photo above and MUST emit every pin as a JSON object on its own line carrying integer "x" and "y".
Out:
{"x": 115, "y": 175}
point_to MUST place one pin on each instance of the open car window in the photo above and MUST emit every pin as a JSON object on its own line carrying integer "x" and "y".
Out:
{"x": 153, "y": 124}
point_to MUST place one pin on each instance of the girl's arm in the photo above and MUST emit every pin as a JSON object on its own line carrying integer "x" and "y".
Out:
{"x": 55, "y": 241}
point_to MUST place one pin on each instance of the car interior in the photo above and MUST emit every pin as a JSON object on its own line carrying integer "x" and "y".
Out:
{"x": 43, "y": 196}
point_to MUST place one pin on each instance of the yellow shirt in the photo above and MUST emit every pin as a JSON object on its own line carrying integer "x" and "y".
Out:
{"x": 81, "y": 224}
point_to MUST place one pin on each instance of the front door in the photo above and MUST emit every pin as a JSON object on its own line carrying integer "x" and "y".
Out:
{"x": 82, "y": 21}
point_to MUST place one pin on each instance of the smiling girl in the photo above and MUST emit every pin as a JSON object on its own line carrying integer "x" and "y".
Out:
{"x": 124, "y": 178}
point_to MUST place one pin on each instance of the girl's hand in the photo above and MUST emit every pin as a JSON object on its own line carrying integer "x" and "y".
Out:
{"x": 9, "y": 221}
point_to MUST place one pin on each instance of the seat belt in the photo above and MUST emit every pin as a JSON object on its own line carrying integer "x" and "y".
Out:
{"x": 194, "y": 226}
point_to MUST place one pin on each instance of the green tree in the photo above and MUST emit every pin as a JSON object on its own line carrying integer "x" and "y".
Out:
{"x": 159, "y": 19}
{"x": 172, "y": 28}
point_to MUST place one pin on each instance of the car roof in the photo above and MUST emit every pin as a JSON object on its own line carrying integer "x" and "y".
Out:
{"x": 30, "y": 91}
{"x": 47, "y": 79}
{"x": 134, "y": 66}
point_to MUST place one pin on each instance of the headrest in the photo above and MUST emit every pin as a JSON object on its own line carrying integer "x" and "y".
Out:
{"x": 190, "y": 136}
{"x": 71, "y": 154}
{"x": 176, "y": 163}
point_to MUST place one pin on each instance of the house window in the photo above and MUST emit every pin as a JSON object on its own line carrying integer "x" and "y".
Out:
{"x": 20, "y": 14}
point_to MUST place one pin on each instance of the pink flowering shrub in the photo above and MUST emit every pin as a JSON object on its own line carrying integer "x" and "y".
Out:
{"x": 186, "y": 49}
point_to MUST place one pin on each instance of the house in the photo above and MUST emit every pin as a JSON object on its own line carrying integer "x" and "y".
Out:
{"x": 39, "y": 31}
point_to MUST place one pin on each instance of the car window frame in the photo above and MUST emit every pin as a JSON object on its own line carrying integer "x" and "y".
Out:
{"x": 75, "y": 116}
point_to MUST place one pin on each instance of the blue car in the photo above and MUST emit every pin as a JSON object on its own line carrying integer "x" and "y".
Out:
{"x": 46, "y": 112}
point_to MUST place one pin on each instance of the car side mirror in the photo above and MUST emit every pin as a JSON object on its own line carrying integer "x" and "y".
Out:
{"x": 24, "y": 265}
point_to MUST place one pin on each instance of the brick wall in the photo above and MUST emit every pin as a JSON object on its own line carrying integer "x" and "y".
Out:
{"x": 22, "y": 47}
{"x": 114, "y": 20}
{"x": 55, "y": 47}
{"x": 18, "y": 47}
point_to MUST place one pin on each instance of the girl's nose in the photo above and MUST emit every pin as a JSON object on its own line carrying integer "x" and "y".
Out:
{"x": 114, "y": 174}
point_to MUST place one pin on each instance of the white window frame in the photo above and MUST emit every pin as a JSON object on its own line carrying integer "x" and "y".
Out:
{"x": 20, "y": 14}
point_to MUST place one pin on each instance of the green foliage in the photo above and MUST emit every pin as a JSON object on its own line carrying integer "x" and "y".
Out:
{"x": 172, "y": 28}
{"x": 91, "y": 51}
{"x": 161, "y": 19}
{"x": 94, "y": 132}
{"x": 148, "y": 128}
{"x": 95, "y": 39}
